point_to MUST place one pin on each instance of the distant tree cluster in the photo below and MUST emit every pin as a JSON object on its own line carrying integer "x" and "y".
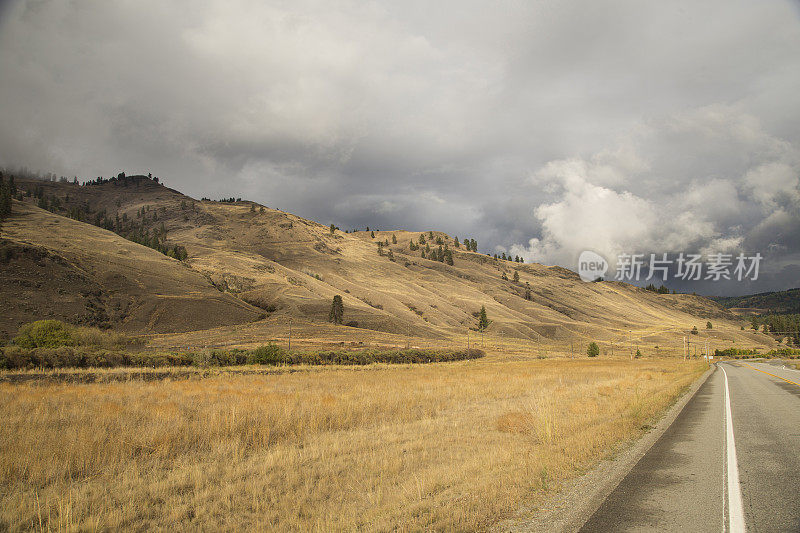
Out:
{"x": 138, "y": 232}
{"x": 504, "y": 257}
{"x": 471, "y": 245}
{"x": 120, "y": 178}
{"x": 443, "y": 254}
{"x": 787, "y": 324}
{"x": 660, "y": 290}
{"x": 230, "y": 200}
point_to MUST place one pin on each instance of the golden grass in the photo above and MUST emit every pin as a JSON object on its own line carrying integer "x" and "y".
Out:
{"x": 446, "y": 446}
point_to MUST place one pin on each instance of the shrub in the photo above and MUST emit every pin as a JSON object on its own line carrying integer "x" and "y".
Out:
{"x": 44, "y": 334}
{"x": 593, "y": 350}
{"x": 14, "y": 357}
{"x": 54, "y": 333}
{"x": 270, "y": 354}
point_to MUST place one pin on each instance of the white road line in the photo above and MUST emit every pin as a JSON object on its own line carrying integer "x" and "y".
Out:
{"x": 735, "y": 508}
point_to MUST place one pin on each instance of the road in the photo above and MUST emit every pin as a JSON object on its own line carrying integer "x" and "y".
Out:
{"x": 727, "y": 463}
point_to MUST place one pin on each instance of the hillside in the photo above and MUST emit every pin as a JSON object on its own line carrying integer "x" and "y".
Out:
{"x": 779, "y": 302}
{"x": 247, "y": 261}
{"x": 55, "y": 267}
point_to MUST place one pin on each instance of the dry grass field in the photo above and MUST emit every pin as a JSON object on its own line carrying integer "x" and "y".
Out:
{"x": 454, "y": 446}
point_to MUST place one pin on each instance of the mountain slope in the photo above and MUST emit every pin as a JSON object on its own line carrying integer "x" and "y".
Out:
{"x": 269, "y": 261}
{"x": 55, "y": 267}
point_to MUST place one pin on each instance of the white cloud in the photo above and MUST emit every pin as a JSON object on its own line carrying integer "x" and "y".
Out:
{"x": 596, "y": 208}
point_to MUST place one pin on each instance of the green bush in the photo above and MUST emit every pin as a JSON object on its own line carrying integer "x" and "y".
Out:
{"x": 54, "y": 333}
{"x": 593, "y": 350}
{"x": 734, "y": 352}
{"x": 15, "y": 357}
{"x": 270, "y": 354}
{"x": 44, "y": 334}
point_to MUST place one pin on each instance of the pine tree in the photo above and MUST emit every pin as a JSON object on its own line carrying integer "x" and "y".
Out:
{"x": 709, "y": 325}
{"x": 337, "y": 310}
{"x": 516, "y": 277}
{"x": 483, "y": 320}
{"x": 333, "y": 228}
{"x": 474, "y": 245}
{"x": 593, "y": 350}
{"x": 372, "y": 234}
{"x": 422, "y": 238}
{"x": 252, "y": 208}
{"x": 448, "y": 257}
{"x": 457, "y": 245}
{"x": 394, "y": 239}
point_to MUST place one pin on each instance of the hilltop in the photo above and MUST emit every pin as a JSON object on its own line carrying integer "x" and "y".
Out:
{"x": 248, "y": 269}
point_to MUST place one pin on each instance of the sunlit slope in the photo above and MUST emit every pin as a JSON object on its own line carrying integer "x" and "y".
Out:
{"x": 290, "y": 267}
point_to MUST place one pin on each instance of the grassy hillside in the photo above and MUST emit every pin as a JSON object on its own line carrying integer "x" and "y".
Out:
{"x": 55, "y": 267}
{"x": 245, "y": 260}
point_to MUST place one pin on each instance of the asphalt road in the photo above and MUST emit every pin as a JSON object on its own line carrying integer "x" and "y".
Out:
{"x": 718, "y": 468}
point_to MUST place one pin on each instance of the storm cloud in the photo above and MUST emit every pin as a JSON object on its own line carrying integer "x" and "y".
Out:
{"x": 539, "y": 128}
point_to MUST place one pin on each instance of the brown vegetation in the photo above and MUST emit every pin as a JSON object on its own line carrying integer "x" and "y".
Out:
{"x": 445, "y": 446}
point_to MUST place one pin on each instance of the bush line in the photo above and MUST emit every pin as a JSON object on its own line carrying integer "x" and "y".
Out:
{"x": 16, "y": 357}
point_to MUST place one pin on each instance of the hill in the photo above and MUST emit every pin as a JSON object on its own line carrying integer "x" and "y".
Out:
{"x": 246, "y": 261}
{"x": 55, "y": 267}
{"x": 779, "y": 302}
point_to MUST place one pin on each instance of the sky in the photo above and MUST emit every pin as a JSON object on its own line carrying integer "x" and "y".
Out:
{"x": 538, "y": 128}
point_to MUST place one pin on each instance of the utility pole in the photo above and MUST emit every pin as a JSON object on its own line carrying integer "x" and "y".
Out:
{"x": 630, "y": 342}
{"x": 685, "y": 348}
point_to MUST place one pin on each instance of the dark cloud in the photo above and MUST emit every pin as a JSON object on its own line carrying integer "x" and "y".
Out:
{"x": 541, "y": 128}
